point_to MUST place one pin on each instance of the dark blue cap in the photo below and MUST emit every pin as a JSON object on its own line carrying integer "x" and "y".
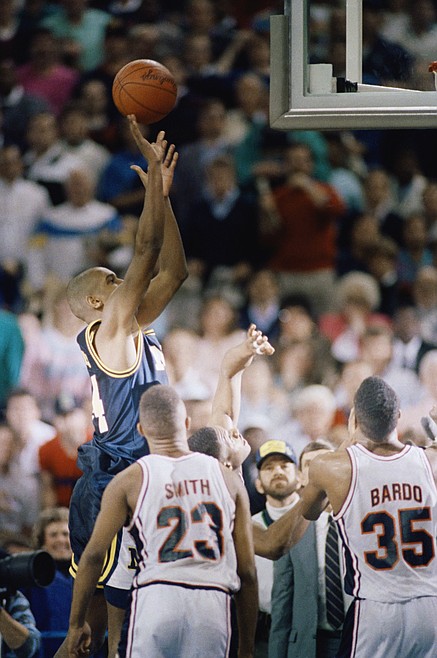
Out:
{"x": 274, "y": 447}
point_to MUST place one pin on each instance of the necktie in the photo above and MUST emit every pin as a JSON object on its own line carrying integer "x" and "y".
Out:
{"x": 334, "y": 590}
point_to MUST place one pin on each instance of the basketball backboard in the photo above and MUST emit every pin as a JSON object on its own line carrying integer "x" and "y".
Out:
{"x": 307, "y": 93}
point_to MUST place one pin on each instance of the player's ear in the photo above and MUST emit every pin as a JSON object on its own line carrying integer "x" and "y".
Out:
{"x": 188, "y": 422}
{"x": 352, "y": 421}
{"x": 140, "y": 429}
{"x": 94, "y": 302}
{"x": 258, "y": 486}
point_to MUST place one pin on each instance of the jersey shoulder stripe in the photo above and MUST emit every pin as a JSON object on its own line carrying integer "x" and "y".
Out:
{"x": 90, "y": 333}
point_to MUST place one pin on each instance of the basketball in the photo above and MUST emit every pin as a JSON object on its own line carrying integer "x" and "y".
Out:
{"x": 145, "y": 88}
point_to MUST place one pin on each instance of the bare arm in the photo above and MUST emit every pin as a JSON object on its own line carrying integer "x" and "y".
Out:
{"x": 314, "y": 501}
{"x": 227, "y": 397}
{"x": 280, "y": 536}
{"x": 121, "y": 307}
{"x": 246, "y": 599}
{"x": 172, "y": 266}
{"x": 171, "y": 274}
{"x": 12, "y": 632}
{"x": 113, "y": 513}
{"x": 329, "y": 481}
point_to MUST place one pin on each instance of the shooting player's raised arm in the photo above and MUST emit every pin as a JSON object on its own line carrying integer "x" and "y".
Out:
{"x": 172, "y": 266}
{"x": 122, "y": 306}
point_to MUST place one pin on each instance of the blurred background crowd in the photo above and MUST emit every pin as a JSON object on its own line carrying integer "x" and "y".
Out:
{"x": 327, "y": 241}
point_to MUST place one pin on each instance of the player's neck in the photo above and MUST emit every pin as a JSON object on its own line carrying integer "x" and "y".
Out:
{"x": 172, "y": 446}
{"x": 171, "y": 453}
{"x": 389, "y": 445}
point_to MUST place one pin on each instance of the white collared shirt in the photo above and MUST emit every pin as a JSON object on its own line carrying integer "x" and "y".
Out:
{"x": 264, "y": 567}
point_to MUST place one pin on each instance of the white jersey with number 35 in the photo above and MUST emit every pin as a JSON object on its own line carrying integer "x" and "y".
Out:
{"x": 388, "y": 524}
{"x": 183, "y": 523}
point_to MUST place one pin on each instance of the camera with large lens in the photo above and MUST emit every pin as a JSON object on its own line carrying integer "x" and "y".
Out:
{"x": 24, "y": 570}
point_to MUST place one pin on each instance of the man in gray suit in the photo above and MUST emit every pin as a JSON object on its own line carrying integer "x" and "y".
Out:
{"x": 299, "y": 625}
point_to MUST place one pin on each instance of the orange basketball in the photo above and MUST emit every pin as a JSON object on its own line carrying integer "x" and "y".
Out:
{"x": 145, "y": 88}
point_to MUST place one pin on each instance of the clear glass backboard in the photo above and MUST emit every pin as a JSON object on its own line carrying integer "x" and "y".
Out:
{"x": 322, "y": 86}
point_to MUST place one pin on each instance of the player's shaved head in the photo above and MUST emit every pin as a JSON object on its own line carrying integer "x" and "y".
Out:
{"x": 87, "y": 284}
{"x": 376, "y": 408}
{"x": 162, "y": 412}
{"x": 78, "y": 289}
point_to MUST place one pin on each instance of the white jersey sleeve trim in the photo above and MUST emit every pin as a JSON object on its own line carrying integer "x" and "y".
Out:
{"x": 383, "y": 458}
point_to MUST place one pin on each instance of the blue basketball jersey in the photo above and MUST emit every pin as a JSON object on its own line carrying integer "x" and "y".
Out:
{"x": 115, "y": 398}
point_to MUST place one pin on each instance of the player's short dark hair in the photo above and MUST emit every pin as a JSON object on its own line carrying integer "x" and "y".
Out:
{"x": 376, "y": 408}
{"x": 77, "y": 289}
{"x": 161, "y": 411}
{"x": 205, "y": 440}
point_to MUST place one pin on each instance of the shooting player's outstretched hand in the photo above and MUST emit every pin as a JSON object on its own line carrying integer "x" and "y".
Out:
{"x": 152, "y": 151}
{"x": 155, "y": 152}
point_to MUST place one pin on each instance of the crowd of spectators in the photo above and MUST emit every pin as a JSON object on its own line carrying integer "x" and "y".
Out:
{"x": 326, "y": 240}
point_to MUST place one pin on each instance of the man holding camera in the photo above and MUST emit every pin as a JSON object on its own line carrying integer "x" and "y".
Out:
{"x": 19, "y": 636}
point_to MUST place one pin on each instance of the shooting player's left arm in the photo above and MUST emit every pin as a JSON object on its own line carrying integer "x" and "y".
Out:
{"x": 172, "y": 265}
{"x": 171, "y": 274}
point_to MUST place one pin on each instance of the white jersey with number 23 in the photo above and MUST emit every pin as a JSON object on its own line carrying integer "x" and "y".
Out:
{"x": 183, "y": 523}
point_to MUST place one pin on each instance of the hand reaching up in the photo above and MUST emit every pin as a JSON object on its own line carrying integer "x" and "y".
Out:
{"x": 241, "y": 356}
{"x": 152, "y": 151}
{"x": 168, "y": 157}
{"x": 260, "y": 343}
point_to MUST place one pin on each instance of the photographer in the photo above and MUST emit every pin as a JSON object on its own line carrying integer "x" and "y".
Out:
{"x": 20, "y": 637}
